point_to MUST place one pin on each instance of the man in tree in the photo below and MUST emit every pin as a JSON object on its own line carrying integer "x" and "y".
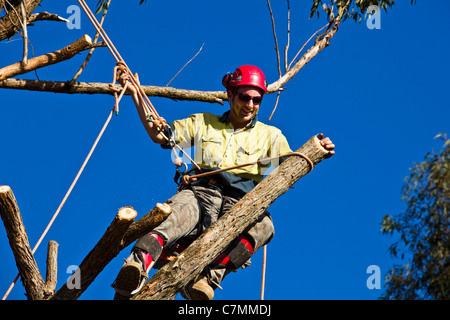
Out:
{"x": 234, "y": 138}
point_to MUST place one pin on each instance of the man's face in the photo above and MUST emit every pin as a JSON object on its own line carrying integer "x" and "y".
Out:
{"x": 244, "y": 105}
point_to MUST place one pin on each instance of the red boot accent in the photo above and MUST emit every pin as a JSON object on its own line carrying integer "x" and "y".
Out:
{"x": 147, "y": 259}
{"x": 224, "y": 259}
{"x": 157, "y": 237}
{"x": 221, "y": 259}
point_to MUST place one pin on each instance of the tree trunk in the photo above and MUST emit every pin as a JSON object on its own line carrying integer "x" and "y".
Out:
{"x": 171, "y": 278}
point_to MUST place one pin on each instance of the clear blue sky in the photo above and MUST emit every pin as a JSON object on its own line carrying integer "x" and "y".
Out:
{"x": 381, "y": 95}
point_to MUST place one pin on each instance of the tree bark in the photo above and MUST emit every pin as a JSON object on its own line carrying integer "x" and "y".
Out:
{"x": 20, "y": 246}
{"x": 171, "y": 278}
{"x": 121, "y": 233}
{"x": 10, "y": 23}
{"x": 52, "y": 268}
{"x": 44, "y": 60}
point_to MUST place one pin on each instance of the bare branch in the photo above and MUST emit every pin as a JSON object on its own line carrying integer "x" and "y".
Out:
{"x": 275, "y": 37}
{"x": 45, "y": 16}
{"x": 276, "y": 104}
{"x": 66, "y": 53}
{"x": 304, "y": 45}
{"x": 322, "y": 43}
{"x": 185, "y": 65}
{"x": 103, "y": 88}
{"x": 25, "y": 36}
{"x": 286, "y": 48}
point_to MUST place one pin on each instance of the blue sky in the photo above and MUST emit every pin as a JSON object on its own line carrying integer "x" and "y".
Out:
{"x": 380, "y": 95}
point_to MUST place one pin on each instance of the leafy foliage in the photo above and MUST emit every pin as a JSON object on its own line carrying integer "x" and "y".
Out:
{"x": 357, "y": 8}
{"x": 424, "y": 231}
{"x": 102, "y": 5}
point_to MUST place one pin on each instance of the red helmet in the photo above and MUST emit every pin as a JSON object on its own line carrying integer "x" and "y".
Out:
{"x": 245, "y": 76}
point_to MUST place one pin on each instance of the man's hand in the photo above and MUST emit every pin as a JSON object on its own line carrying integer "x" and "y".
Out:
{"x": 327, "y": 144}
{"x": 122, "y": 77}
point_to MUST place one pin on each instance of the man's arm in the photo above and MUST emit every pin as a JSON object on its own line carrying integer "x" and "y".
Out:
{"x": 151, "y": 129}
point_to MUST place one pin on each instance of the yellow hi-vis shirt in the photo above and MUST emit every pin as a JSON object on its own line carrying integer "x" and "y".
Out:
{"x": 218, "y": 145}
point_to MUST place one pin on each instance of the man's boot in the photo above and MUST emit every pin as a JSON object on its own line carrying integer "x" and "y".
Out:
{"x": 134, "y": 273}
{"x": 198, "y": 289}
{"x": 202, "y": 287}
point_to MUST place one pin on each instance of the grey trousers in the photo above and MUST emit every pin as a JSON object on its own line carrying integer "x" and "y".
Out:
{"x": 187, "y": 220}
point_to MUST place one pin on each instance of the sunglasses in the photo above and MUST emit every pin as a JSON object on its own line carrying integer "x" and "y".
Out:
{"x": 246, "y": 98}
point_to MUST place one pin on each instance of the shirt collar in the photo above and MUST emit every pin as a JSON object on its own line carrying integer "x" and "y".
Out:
{"x": 224, "y": 119}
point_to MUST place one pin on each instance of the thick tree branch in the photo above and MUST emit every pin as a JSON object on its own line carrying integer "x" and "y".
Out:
{"x": 103, "y": 88}
{"x": 101, "y": 254}
{"x": 171, "y": 278}
{"x": 20, "y": 246}
{"x": 65, "y": 53}
{"x": 120, "y": 234}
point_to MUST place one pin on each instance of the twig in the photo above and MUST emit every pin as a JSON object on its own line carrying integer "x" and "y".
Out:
{"x": 286, "y": 48}
{"x": 289, "y": 67}
{"x": 88, "y": 57}
{"x": 275, "y": 37}
{"x": 276, "y": 104}
{"x": 25, "y": 35}
{"x": 185, "y": 65}
{"x": 311, "y": 53}
{"x": 22, "y": 18}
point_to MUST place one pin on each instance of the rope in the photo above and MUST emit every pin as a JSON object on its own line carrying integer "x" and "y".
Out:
{"x": 263, "y": 278}
{"x": 151, "y": 111}
{"x": 187, "y": 178}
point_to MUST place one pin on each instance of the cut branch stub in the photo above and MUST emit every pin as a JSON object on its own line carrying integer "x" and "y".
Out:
{"x": 44, "y": 60}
